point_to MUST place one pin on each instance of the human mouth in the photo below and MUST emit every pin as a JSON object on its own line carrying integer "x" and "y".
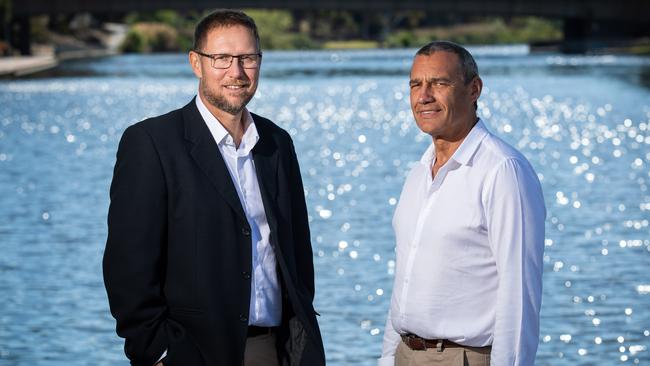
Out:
{"x": 429, "y": 112}
{"x": 235, "y": 87}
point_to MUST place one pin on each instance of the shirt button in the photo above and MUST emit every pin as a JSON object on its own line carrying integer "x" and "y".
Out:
{"x": 246, "y": 231}
{"x": 246, "y": 275}
{"x": 243, "y": 318}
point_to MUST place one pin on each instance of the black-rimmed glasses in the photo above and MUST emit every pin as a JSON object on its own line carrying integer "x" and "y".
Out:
{"x": 224, "y": 60}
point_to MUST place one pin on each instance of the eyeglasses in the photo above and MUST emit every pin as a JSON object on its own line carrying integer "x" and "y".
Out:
{"x": 224, "y": 60}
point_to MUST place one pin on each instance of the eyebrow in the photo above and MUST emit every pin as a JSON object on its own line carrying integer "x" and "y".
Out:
{"x": 429, "y": 80}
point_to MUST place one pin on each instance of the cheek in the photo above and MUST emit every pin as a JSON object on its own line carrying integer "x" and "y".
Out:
{"x": 207, "y": 83}
{"x": 253, "y": 75}
{"x": 213, "y": 78}
{"x": 414, "y": 100}
{"x": 447, "y": 100}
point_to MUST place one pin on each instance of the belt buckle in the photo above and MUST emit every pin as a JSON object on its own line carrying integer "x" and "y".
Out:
{"x": 417, "y": 343}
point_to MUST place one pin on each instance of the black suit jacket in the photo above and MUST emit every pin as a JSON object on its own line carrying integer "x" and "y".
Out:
{"x": 177, "y": 265}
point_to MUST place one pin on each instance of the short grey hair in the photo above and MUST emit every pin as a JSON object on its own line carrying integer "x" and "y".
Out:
{"x": 466, "y": 61}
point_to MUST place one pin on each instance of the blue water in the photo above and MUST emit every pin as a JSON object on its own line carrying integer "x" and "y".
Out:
{"x": 583, "y": 122}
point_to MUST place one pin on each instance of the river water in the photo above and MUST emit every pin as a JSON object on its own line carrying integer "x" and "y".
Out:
{"x": 583, "y": 122}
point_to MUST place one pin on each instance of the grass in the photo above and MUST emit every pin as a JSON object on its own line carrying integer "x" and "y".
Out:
{"x": 351, "y": 44}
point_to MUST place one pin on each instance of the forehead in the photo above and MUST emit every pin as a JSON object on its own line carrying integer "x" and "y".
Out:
{"x": 439, "y": 64}
{"x": 230, "y": 38}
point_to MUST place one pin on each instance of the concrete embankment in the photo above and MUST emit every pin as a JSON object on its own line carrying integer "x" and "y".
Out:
{"x": 17, "y": 66}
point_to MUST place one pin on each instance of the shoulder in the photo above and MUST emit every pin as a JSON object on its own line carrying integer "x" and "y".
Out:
{"x": 495, "y": 152}
{"x": 163, "y": 127}
{"x": 497, "y": 148}
{"x": 266, "y": 127}
{"x": 508, "y": 171}
{"x": 497, "y": 160}
{"x": 162, "y": 123}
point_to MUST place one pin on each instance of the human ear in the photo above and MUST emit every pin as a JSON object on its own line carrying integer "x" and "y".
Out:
{"x": 475, "y": 88}
{"x": 195, "y": 63}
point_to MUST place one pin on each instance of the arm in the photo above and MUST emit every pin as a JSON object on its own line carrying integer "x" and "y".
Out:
{"x": 300, "y": 225}
{"x": 391, "y": 340}
{"x": 134, "y": 256}
{"x": 515, "y": 215}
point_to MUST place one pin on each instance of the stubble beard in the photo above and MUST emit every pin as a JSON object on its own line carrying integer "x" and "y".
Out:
{"x": 220, "y": 102}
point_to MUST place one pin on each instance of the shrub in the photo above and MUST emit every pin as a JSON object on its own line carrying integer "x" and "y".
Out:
{"x": 151, "y": 37}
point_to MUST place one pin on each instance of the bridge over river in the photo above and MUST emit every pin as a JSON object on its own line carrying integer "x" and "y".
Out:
{"x": 623, "y": 18}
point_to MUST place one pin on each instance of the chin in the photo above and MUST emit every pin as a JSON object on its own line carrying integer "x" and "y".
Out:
{"x": 428, "y": 127}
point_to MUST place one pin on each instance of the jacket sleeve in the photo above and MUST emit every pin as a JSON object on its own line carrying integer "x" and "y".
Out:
{"x": 134, "y": 258}
{"x": 300, "y": 225}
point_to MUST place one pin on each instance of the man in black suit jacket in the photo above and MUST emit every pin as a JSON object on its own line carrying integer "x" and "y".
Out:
{"x": 191, "y": 240}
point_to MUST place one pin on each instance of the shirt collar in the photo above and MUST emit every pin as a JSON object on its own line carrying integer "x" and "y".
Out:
{"x": 470, "y": 144}
{"x": 221, "y": 135}
{"x": 465, "y": 151}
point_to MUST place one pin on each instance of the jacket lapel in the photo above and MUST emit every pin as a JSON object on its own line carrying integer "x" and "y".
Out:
{"x": 265, "y": 155}
{"x": 205, "y": 152}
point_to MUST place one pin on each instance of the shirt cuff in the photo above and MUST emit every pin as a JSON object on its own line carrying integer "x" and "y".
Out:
{"x": 161, "y": 357}
{"x": 386, "y": 361}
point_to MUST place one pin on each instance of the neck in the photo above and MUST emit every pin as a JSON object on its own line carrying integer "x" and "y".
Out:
{"x": 447, "y": 146}
{"x": 444, "y": 151}
{"x": 235, "y": 124}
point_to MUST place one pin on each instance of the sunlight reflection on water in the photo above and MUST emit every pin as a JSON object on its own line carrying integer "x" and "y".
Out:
{"x": 583, "y": 122}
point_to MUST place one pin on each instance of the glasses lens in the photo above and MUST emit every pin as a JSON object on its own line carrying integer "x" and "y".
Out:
{"x": 221, "y": 61}
{"x": 224, "y": 61}
{"x": 249, "y": 61}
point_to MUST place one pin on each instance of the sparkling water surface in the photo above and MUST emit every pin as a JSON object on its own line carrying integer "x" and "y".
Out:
{"x": 582, "y": 121}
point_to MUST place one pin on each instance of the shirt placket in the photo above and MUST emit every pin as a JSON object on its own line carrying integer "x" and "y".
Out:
{"x": 240, "y": 171}
{"x": 244, "y": 165}
{"x": 431, "y": 194}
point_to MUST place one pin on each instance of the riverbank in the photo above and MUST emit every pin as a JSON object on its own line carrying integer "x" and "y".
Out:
{"x": 62, "y": 48}
{"x": 112, "y": 37}
{"x": 18, "y": 66}
{"x": 21, "y": 66}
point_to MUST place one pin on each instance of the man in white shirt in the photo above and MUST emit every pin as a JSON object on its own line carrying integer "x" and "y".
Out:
{"x": 208, "y": 259}
{"x": 469, "y": 228}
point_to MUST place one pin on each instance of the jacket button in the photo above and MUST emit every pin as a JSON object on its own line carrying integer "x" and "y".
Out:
{"x": 246, "y": 275}
{"x": 243, "y": 318}
{"x": 246, "y": 231}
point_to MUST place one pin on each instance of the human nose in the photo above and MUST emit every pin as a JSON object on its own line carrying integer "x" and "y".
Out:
{"x": 425, "y": 95}
{"x": 236, "y": 68}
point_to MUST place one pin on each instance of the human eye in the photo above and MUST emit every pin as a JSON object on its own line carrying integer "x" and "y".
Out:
{"x": 247, "y": 60}
{"x": 221, "y": 58}
{"x": 250, "y": 60}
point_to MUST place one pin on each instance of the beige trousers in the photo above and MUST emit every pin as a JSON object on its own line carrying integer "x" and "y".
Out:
{"x": 260, "y": 351}
{"x": 467, "y": 356}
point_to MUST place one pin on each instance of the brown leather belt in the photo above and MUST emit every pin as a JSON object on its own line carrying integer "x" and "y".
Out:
{"x": 254, "y": 331}
{"x": 420, "y": 344}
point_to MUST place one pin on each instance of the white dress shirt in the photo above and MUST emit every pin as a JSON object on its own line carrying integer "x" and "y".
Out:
{"x": 266, "y": 299}
{"x": 469, "y": 252}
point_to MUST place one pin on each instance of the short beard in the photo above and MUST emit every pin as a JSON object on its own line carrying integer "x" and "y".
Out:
{"x": 219, "y": 102}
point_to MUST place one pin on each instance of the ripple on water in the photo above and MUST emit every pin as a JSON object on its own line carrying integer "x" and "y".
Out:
{"x": 356, "y": 141}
